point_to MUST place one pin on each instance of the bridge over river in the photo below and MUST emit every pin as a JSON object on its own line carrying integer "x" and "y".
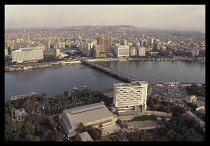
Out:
{"x": 111, "y": 72}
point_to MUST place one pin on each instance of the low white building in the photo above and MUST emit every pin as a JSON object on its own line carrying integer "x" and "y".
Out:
{"x": 121, "y": 51}
{"x": 27, "y": 54}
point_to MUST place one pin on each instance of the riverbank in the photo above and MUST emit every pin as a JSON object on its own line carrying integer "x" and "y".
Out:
{"x": 21, "y": 67}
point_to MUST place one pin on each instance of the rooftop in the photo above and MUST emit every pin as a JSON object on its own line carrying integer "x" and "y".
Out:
{"x": 29, "y": 48}
{"x": 85, "y": 114}
{"x": 85, "y": 136}
{"x": 133, "y": 83}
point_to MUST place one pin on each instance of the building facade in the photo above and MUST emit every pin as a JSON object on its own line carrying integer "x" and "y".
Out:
{"x": 56, "y": 52}
{"x": 141, "y": 51}
{"x": 133, "y": 51}
{"x": 102, "y": 47}
{"x": 27, "y": 54}
{"x": 6, "y": 52}
{"x": 121, "y": 51}
{"x": 93, "y": 114}
{"x": 129, "y": 95}
{"x": 105, "y": 43}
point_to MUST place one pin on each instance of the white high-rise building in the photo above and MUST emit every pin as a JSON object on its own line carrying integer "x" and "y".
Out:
{"x": 133, "y": 51}
{"x": 129, "y": 95}
{"x": 56, "y": 52}
{"x": 62, "y": 45}
{"x": 121, "y": 51}
{"x": 141, "y": 51}
{"x": 27, "y": 54}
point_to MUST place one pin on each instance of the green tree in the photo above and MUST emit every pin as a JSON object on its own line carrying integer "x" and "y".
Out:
{"x": 179, "y": 137}
{"x": 47, "y": 135}
{"x": 58, "y": 136}
{"x": 80, "y": 127}
{"x": 66, "y": 93}
{"x": 171, "y": 134}
{"x": 28, "y": 129}
{"x": 100, "y": 126}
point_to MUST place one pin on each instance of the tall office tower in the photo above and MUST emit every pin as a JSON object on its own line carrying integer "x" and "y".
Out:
{"x": 56, "y": 52}
{"x": 129, "y": 95}
{"x": 105, "y": 43}
{"x": 141, "y": 51}
{"x": 156, "y": 46}
{"x": 133, "y": 51}
{"x": 143, "y": 43}
{"x": 96, "y": 51}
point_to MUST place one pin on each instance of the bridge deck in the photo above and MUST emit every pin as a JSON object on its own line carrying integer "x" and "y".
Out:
{"x": 111, "y": 72}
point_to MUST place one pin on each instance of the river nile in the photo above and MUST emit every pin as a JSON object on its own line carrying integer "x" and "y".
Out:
{"x": 54, "y": 81}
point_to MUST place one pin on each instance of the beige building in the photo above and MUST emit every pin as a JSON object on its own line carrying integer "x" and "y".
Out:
{"x": 18, "y": 114}
{"x": 133, "y": 51}
{"x": 141, "y": 51}
{"x": 97, "y": 49}
{"x": 192, "y": 98}
{"x": 41, "y": 47}
{"x": 61, "y": 45}
{"x": 84, "y": 136}
{"x": 56, "y": 52}
{"x": 102, "y": 47}
{"x": 105, "y": 44}
{"x": 93, "y": 114}
{"x": 6, "y": 52}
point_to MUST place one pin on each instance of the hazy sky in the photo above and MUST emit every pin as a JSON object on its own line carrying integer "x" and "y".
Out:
{"x": 147, "y": 16}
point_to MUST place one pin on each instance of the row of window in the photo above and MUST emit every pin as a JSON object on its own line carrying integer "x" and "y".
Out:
{"x": 129, "y": 99}
{"x": 101, "y": 122}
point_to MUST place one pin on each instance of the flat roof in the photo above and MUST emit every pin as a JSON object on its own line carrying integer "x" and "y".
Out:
{"x": 86, "y": 114}
{"x": 29, "y": 48}
{"x": 133, "y": 83}
{"x": 84, "y": 108}
{"x": 85, "y": 136}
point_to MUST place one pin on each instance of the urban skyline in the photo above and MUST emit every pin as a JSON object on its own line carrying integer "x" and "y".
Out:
{"x": 123, "y": 78}
{"x": 145, "y": 16}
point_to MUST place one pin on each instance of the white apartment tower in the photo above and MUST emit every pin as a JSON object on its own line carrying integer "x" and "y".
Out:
{"x": 141, "y": 51}
{"x": 129, "y": 95}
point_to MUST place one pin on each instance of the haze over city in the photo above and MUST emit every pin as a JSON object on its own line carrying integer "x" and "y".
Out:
{"x": 144, "y": 16}
{"x": 104, "y": 73}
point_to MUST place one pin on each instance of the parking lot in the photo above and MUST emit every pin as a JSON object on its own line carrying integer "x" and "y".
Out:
{"x": 149, "y": 124}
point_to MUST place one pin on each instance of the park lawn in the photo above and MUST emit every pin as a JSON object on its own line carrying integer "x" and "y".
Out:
{"x": 108, "y": 93}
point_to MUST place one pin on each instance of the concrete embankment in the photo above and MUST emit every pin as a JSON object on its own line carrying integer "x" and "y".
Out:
{"x": 52, "y": 64}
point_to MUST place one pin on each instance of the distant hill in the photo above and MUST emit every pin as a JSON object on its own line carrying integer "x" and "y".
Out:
{"x": 106, "y": 28}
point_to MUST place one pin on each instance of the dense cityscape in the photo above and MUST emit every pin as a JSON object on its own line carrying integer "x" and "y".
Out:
{"x": 124, "y": 43}
{"x": 133, "y": 110}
